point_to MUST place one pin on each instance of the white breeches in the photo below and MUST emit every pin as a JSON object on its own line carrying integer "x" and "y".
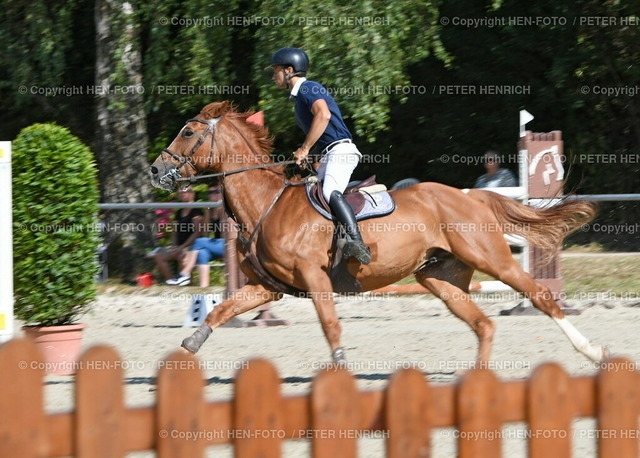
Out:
{"x": 337, "y": 166}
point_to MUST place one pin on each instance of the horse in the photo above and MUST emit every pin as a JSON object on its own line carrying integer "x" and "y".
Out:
{"x": 438, "y": 233}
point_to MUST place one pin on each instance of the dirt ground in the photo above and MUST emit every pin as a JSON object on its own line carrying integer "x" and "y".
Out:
{"x": 381, "y": 333}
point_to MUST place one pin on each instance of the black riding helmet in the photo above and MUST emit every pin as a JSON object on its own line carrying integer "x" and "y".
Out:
{"x": 290, "y": 57}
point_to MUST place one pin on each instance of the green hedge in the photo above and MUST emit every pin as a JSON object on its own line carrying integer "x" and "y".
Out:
{"x": 55, "y": 237}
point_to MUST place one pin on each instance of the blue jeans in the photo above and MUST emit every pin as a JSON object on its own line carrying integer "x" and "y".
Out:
{"x": 208, "y": 249}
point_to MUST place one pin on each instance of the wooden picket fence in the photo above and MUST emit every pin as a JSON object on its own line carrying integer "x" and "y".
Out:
{"x": 259, "y": 419}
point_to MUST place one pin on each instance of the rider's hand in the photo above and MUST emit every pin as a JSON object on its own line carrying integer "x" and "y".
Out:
{"x": 301, "y": 154}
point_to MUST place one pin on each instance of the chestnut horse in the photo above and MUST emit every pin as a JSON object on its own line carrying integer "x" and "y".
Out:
{"x": 439, "y": 234}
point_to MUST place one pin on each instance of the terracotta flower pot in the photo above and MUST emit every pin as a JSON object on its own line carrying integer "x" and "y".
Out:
{"x": 60, "y": 346}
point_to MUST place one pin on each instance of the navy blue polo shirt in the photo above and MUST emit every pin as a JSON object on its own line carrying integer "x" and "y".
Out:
{"x": 308, "y": 93}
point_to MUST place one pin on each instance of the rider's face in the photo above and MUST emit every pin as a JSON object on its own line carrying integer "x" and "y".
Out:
{"x": 278, "y": 77}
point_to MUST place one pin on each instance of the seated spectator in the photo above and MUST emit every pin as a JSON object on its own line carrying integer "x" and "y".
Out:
{"x": 204, "y": 249}
{"x": 496, "y": 177}
{"x": 185, "y": 229}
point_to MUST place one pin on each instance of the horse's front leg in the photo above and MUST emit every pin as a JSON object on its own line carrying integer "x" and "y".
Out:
{"x": 244, "y": 299}
{"x": 326, "y": 308}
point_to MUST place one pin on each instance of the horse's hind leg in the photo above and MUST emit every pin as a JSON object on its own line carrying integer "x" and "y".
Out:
{"x": 491, "y": 255}
{"x": 448, "y": 278}
{"x": 542, "y": 298}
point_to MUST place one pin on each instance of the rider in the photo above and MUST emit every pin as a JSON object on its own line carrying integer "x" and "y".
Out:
{"x": 318, "y": 115}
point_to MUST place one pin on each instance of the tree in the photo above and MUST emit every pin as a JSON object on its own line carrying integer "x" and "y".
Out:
{"x": 40, "y": 76}
{"x": 384, "y": 62}
{"x": 121, "y": 130}
{"x": 360, "y": 52}
{"x": 187, "y": 61}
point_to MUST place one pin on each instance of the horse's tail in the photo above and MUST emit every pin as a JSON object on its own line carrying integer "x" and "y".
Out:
{"x": 544, "y": 227}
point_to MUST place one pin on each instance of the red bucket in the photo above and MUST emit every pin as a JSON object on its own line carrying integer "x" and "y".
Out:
{"x": 145, "y": 279}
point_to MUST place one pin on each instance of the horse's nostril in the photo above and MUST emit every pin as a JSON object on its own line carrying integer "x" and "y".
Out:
{"x": 154, "y": 170}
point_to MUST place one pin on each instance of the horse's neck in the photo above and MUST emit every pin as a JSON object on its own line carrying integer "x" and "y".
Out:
{"x": 249, "y": 195}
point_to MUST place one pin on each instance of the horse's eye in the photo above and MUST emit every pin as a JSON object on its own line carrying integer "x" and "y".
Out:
{"x": 188, "y": 134}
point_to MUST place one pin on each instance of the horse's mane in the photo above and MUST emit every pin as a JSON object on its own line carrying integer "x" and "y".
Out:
{"x": 228, "y": 110}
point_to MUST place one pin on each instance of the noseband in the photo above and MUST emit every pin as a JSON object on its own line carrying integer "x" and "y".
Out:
{"x": 173, "y": 173}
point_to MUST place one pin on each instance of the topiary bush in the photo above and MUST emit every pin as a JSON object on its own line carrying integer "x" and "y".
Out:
{"x": 55, "y": 233}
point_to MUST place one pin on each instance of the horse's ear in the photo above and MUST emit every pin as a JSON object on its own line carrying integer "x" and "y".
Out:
{"x": 215, "y": 109}
{"x": 223, "y": 108}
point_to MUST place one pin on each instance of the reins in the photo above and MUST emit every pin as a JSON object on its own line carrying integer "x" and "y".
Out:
{"x": 211, "y": 124}
{"x": 245, "y": 242}
{"x": 193, "y": 178}
{"x": 210, "y": 130}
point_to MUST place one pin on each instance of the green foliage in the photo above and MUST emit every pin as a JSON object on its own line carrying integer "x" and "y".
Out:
{"x": 189, "y": 47}
{"x": 360, "y": 52}
{"x": 38, "y": 56}
{"x": 46, "y": 62}
{"x": 192, "y": 60}
{"x": 54, "y": 225}
{"x": 558, "y": 69}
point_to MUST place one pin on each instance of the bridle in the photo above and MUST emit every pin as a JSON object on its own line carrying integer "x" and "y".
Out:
{"x": 173, "y": 173}
{"x": 173, "y": 176}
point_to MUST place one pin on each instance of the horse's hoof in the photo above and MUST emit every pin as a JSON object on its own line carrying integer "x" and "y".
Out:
{"x": 188, "y": 346}
{"x": 193, "y": 343}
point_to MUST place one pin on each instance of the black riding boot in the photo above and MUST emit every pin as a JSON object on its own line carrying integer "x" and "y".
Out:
{"x": 354, "y": 247}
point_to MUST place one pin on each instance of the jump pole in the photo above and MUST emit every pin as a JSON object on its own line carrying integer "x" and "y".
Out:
{"x": 6, "y": 245}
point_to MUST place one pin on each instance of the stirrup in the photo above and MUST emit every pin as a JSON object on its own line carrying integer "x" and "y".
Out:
{"x": 358, "y": 251}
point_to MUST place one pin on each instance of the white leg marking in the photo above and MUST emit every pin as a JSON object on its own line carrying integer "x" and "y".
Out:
{"x": 579, "y": 341}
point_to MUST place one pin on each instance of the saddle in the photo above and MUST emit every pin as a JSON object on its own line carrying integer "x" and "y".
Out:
{"x": 367, "y": 198}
